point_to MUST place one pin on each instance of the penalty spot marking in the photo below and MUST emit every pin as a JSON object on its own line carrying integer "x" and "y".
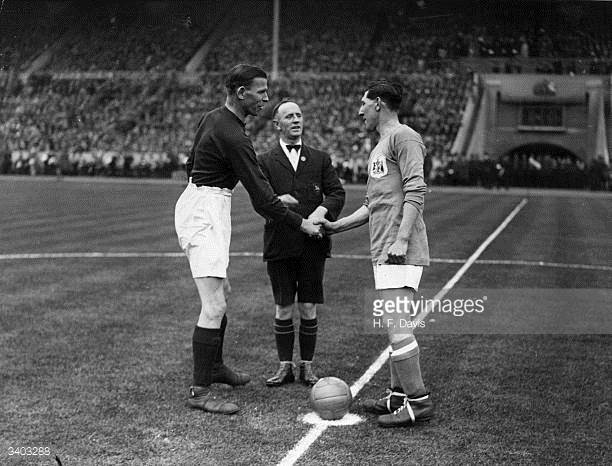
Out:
{"x": 313, "y": 434}
{"x": 348, "y": 419}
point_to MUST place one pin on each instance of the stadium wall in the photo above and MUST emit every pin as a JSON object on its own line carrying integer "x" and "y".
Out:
{"x": 569, "y": 112}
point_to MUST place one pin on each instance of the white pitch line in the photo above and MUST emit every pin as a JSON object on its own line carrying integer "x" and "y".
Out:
{"x": 313, "y": 434}
{"x": 370, "y": 372}
{"x": 349, "y": 419}
{"x": 558, "y": 265}
{"x": 315, "y": 431}
{"x": 453, "y": 281}
{"x": 303, "y": 445}
{"x": 89, "y": 255}
{"x": 101, "y": 255}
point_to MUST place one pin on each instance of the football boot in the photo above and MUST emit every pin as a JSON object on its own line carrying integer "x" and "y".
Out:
{"x": 414, "y": 410}
{"x": 307, "y": 375}
{"x": 393, "y": 400}
{"x": 223, "y": 374}
{"x": 201, "y": 398}
{"x": 283, "y": 375}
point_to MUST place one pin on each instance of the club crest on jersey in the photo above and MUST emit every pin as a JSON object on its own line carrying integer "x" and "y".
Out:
{"x": 378, "y": 169}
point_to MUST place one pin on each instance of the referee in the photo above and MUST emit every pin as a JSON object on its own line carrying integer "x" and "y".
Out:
{"x": 222, "y": 155}
{"x": 306, "y": 181}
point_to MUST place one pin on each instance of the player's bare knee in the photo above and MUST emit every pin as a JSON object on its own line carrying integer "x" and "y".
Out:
{"x": 214, "y": 310}
{"x": 308, "y": 311}
{"x": 284, "y": 312}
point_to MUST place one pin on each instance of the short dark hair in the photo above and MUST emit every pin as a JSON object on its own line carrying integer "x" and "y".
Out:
{"x": 390, "y": 92}
{"x": 277, "y": 106}
{"x": 242, "y": 75}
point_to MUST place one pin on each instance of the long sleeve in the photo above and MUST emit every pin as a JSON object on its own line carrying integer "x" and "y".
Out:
{"x": 244, "y": 163}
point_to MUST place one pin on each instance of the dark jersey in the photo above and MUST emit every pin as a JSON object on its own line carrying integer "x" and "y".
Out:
{"x": 222, "y": 155}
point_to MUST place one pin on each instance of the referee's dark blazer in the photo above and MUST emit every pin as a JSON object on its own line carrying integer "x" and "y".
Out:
{"x": 314, "y": 183}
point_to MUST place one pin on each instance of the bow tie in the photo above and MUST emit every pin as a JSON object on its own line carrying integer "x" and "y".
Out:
{"x": 291, "y": 147}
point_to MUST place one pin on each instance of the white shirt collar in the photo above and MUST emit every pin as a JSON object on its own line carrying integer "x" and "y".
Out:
{"x": 284, "y": 144}
{"x": 293, "y": 157}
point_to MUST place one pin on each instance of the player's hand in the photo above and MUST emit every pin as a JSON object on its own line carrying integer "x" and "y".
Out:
{"x": 288, "y": 200}
{"x": 396, "y": 254}
{"x": 316, "y": 219}
{"x": 311, "y": 229}
{"x": 328, "y": 227}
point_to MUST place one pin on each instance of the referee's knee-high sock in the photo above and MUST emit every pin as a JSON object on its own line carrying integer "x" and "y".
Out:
{"x": 219, "y": 357}
{"x": 284, "y": 334}
{"x": 405, "y": 359}
{"x": 308, "y": 338}
{"x": 205, "y": 346}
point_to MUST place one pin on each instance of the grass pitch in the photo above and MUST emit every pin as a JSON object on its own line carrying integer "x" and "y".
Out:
{"x": 96, "y": 352}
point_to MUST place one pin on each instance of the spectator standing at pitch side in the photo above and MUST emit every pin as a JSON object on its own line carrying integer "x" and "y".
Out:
{"x": 398, "y": 243}
{"x": 222, "y": 155}
{"x": 307, "y": 183}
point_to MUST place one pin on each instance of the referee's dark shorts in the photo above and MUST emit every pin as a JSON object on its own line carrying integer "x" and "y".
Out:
{"x": 301, "y": 275}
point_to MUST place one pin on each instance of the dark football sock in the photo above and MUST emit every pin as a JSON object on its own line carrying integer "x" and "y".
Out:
{"x": 405, "y": 359}
{"x": 285, "y": 335}
{"x": 219, "y": 357}
{"x": 308, "y": 338}
{"x": 205, "y": 346}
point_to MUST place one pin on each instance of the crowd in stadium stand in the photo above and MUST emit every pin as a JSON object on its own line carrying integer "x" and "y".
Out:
{"x": 521, "y": 169}
{"x": 403, "y": 40}
{"x": 100, "y": 126}
{"x": 143, "y": 126}
{"x": 24, "y": 37}
{"x": 128, "y": 128}
{"x": 133, "y": 41}
{"x": 103, "y": 117}
{"x": 316, "y": 37}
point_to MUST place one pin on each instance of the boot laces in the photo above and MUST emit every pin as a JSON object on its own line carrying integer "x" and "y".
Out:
{"x": 405, "y": 407}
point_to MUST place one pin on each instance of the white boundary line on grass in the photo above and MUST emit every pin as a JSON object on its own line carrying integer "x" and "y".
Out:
{"x": 137, "y": 255}
{"x": 453, "y": 281}
{"x": 313, "y": 434}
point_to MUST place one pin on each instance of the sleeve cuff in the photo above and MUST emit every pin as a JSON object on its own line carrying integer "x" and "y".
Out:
{"x": 293, "y": 219}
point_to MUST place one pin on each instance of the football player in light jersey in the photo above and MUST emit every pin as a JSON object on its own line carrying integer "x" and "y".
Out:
{"x": 398, "y": 243}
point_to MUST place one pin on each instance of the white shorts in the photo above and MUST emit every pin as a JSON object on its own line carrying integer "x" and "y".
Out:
{"x": 387, "y": 276}
{"x": 204, "y": 227}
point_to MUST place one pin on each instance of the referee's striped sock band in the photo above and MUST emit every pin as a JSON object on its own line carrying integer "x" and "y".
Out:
{"x": 283, "y": 327}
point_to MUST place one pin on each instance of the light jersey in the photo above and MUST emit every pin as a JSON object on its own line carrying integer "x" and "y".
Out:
{"x": 395, "y": 176}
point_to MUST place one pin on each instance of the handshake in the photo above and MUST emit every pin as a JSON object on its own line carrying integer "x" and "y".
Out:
{"x": 317, "y": 227}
